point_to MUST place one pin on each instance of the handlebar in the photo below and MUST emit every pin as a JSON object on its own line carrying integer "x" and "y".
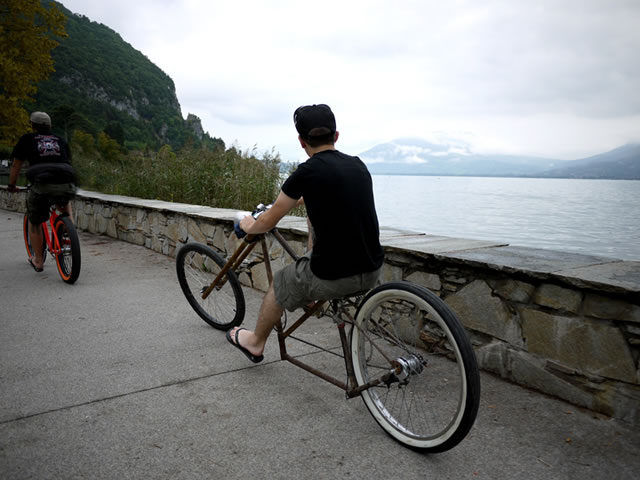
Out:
{"x": 259, "y": 210}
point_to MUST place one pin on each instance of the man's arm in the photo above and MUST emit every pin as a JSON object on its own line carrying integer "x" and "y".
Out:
{"x": 13, "y": 174}
{"x": 269, "y": 219}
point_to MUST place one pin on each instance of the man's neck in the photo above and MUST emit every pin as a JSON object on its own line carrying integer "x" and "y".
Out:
{"x": 311, "y": 151}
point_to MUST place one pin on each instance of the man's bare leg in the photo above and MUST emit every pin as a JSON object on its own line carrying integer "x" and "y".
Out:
{"x": 66, "y": 208}
{"x": 270, "y": 313}
{"x": 36, "y": 244}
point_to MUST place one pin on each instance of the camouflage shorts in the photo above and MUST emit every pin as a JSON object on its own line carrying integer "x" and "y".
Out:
{"x": 296, "y": 286}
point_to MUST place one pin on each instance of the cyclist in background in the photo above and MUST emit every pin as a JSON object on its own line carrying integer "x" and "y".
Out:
{"x": 51, "y": 176}
{"x": 346, "y": 256}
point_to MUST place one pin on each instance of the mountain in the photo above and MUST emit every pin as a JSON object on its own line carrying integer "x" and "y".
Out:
{"x": 102, "y": 83}
{"x": 622, "y": 163}
{"x": 415, "y": 156}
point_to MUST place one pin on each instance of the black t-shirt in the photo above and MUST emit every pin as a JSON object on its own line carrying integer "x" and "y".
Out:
{"x": 338, "y": 194}
{"x": 42, "y": 148}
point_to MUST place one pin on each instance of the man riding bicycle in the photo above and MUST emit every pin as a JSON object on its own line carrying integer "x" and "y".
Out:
{"x": 51, "y": 176}
{"x": 346, "y": 256}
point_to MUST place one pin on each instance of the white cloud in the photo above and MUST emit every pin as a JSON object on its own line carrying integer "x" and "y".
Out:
{"x": 549, "y": 78}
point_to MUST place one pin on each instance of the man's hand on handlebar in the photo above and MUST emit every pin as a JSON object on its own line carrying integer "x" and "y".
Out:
{"x": 12, "y": 188}
{"x": 246, "y": 223}
{"x": 265, "y": 218}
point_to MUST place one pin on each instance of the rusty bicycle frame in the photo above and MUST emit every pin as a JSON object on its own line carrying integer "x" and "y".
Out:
{"x": 341, "y": 317}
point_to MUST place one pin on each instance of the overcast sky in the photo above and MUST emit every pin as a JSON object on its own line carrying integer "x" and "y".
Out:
{"x": 554, "y": 78}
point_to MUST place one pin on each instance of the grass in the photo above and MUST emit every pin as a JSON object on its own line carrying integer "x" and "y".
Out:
{"x": 222, "y": 178}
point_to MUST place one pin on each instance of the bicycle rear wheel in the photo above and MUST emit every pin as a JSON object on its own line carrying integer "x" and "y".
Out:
{"x": 68, "y": 253}
{"x": 197, "y": 267}
{"x": 430, "y": 401}
{"x": 26, "y": 232}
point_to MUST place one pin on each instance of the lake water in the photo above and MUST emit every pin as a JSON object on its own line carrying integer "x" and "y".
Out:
{"x": 593, "y": 217}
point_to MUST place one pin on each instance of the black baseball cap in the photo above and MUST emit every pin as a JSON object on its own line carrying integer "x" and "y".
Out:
{"x": 314, "y": 120}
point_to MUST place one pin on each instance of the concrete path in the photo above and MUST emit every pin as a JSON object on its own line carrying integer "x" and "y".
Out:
{"x": 116, "y": 377}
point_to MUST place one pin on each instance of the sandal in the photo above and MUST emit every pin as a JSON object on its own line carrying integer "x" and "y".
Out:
{"x": 37, "y": 269}
{"x": 250, "y": 356}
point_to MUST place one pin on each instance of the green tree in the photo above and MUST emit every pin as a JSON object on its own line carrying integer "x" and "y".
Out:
{"x": 115, "y": 131}
{"x": 27, "y": 31}
{"x": 109, "y": 148}
{"x": 83, "y": 143}
{"x": 65, "y": 120}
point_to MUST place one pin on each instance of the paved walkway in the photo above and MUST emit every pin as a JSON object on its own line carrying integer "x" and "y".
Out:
{"x": 116, "y": 377}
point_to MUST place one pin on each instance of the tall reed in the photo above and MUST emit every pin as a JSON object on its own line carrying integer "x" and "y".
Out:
{"x": 221, "y": 178}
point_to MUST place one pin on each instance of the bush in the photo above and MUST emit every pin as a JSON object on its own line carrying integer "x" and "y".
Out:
{"x": 216, "y": 178}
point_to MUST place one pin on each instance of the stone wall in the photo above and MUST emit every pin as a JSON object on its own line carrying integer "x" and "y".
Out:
{"x": 564, "y": 324}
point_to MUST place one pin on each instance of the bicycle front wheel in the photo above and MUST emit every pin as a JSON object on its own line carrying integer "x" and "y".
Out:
{"x": 430, "y": 390}
{"x": 67, "y": 250}
{"x": 197, "y": 267}
{"x": 26, "y": 232}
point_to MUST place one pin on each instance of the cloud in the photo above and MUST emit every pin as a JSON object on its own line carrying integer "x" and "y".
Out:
{"x": 546, "y": 77}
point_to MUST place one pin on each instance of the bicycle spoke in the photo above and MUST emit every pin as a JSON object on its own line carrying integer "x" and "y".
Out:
{"x": 426, "y": 397}
{"x": 197, "y": 267}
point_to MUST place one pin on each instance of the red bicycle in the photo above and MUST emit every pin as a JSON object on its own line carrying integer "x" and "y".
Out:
{"x": 61, "y": 240}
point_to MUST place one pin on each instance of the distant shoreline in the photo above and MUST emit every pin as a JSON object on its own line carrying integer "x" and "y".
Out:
{"x": 499, "y": 176}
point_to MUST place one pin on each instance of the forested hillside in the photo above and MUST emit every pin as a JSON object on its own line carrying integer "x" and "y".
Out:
{"x": 101, "y": 83}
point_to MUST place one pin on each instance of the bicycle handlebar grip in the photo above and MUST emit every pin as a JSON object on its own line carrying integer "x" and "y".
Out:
{"x": 236, "y": 223}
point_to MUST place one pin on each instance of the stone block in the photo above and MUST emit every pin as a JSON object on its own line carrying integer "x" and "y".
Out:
{"x": 479, "y": 310}
{"x": 219, "y": 239}
{"x": 137, "y": 238}
{"x": 427, "y": 280}
{"x": 514, "y": 290}
{"x": 276, "y": 250}
{"x": 588, "y": 346}
{"x": 183, "y": 231}
{"x": 299, "y": 247}
{"x": 399, "y": 258}
{"x": 124, "y": 221}
{"x": 231, "y": 244}
{"x": 391, "y": 273}
{"x": 194, "y": 232}
{"x": 101, "y": 224}
{"x": 112, "y": 229}
{"x": 244, "y": 279}
{"x": 83, "y": 221}
{"x": 455, "y": 279}
{"x": 599, "y": 306}
{"x": 207, "y": 229}
{"x": 156, "y": 244}
{"x": 259, "y": 277}
{"x": 91, "y": 226}
{"x": 492, "y": 357}
{"x": 621, "y": 401}
{"x": 558, "y": 298}
{"x": 173, "y": 232}
{"x": 530, "y": 371}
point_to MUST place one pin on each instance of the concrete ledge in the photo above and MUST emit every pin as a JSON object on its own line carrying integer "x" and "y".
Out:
{"x": 562, "y": 323}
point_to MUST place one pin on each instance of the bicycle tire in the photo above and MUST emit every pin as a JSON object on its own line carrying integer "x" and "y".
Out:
{"x": 431, "y": 401}
{"x": 197, "y": 266}
{"x": 26, "y": 232}
{"x": 68, "y": 258}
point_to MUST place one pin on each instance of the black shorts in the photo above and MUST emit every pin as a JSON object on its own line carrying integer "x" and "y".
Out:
{"x": 43, "y": 195}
